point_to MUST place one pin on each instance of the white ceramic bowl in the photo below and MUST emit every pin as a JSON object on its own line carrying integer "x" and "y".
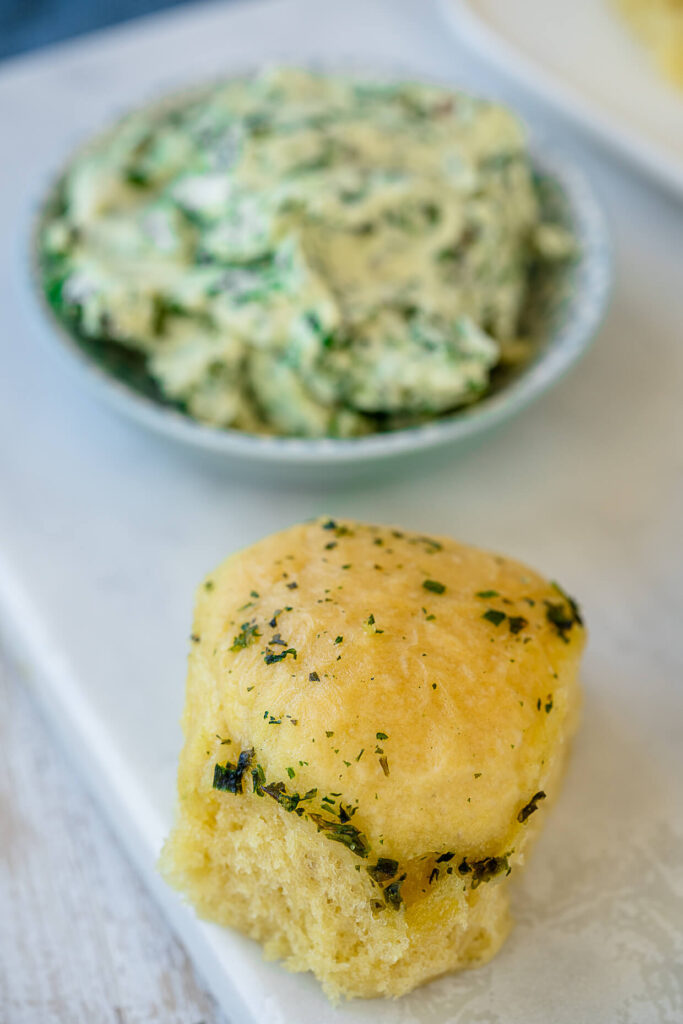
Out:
{"x": 585, "y": 286}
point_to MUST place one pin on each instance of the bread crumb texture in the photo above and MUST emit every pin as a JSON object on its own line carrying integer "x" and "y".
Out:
{"x": 375, "y": 724}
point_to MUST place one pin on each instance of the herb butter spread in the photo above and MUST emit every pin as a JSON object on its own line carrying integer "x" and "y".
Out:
{"x": 301, "y": 254}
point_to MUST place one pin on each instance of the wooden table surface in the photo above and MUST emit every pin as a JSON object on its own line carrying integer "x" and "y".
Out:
{"x": 81, "y": 941}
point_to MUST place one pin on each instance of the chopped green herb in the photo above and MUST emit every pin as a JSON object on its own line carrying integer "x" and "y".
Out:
{"x": 292, "y": 585}
{"x": 338, "y": 639}
{"x": 369, "y": 625}
{"x": 486, "y": 869}
{"x": 270, "y": 657}
{"x": 487, "y": 593}
{"x": 494, "y": 616}
{"x": 384, "y": 870}
{"x": 247, "y": 635}
{"x": 209, "y": 585}
{"x": 563, "y": 615}
{"x": 258, "y": 779}
{"x": 382, "y": 736}
{"x": 291, "y": 773}
{"x": 277, "y": 791}
{"x": 576, "y": 611}
{"x": 434, "y": 586}
{"x": 329, "y": 732}
{"x": 517, "y": 623}
{"x": 343, "y": 832}
{"x": 530, "y": 807}
{"x": 430, "y": 544}
{"x": 313, "y": 677}
{"x": 229, "y": 776}
{"x": 392, "y": 893}
{"x": 195, "y": 638}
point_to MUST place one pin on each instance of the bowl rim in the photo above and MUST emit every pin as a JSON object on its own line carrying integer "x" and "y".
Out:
{"x": 586, "y": 307}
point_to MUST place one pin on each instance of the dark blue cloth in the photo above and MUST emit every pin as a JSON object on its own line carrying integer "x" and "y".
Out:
{"x": 27, "y": 24}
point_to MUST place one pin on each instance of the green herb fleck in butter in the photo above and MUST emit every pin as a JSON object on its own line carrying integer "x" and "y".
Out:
{"x": 306, "y": 255}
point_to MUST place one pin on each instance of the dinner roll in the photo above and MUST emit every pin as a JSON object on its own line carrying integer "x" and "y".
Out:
{"x": 375, "y": 724}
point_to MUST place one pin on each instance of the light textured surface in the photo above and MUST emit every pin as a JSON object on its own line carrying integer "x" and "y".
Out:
{"x": 80, "y": 938}
{"x": 104, "y": 532}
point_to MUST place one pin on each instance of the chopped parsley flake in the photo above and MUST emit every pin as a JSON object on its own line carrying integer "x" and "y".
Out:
{"x": 392, "y": 893}
{"x": 487, "y": 593}
{"x": 229, "y": 776}
{"x": 369, "y": 625}
{"x": 342, "y": 832}
{"x": 383, "y": 871}
{"x": 517, "y": 623}
{"x": 434, "y": 586}
{"x": 270, "y": 657}
{"x": 247, "y": 635}
{"x": 313, "y": 677}
{"x": 494, "y": 616}
{"x": 530, "y": 807}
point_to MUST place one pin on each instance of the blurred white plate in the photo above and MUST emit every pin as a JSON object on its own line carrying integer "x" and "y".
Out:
{"x": 578, "y": 56}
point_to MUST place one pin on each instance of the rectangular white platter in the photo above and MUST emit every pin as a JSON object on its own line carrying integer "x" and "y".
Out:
{"x": 105, "y": 530}
{"x": 581, "y": 58}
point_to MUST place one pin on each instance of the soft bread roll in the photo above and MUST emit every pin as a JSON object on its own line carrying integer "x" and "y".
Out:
{"x": 375, "y": 724}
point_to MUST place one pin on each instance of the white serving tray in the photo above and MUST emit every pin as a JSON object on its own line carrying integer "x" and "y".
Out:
{"x": 578, "y": 56}
{"x": 104, "y": 531}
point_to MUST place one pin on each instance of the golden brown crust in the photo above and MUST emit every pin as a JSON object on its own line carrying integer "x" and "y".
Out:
{"x": 456, "y": 694}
